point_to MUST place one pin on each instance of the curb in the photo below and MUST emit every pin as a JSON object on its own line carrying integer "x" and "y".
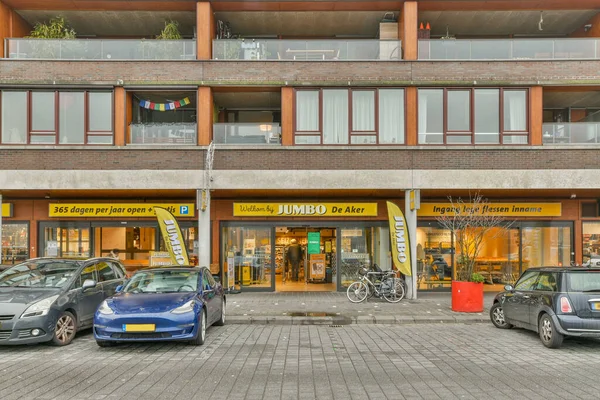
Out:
{"x": 360, "y": 320}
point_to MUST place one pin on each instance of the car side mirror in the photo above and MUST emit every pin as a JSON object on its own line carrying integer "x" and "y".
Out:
{"x": 119, "y": 288}
{"x": 88, "y": 284}
{"x": 508, "y": 288}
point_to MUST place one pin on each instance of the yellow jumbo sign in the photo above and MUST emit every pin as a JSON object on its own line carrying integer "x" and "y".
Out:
{"x": 304, "y": 209}
{"x": 117, "y": 210}
{"x": 500, "y": 209}
{"x": 7, "y": 210}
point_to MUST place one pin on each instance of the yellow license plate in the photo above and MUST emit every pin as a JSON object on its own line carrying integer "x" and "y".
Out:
{"x": 139, "y": 328}
{"x": 596, "y": 306}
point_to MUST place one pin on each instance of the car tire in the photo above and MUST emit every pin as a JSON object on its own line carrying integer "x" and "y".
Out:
{"x": 550, "y": 337}
{"x": 104, "y": 343}
{"x": 65, "y": 329}
{"x": 221, "y": 320}
{"x": 497, "y": 317}
{"x": 201, "y": 335}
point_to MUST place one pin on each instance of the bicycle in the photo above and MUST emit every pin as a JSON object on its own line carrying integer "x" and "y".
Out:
{"x": 384, "y": 284}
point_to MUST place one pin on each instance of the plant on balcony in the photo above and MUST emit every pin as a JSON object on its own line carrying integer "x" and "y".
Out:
{"x": 55, "y": 28}
{"x": 471, "y": 223}
{"x": 165, "y": 50}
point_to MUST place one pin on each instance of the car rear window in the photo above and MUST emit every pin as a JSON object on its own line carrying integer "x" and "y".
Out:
{"x": 582, "y": 281}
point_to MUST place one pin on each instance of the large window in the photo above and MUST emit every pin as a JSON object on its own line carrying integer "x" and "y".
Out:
{"x": 56, "y": 117}
{"x": 473, "y": 116}
{"x": 249, "y": 249}
{"x": 15, "y": 242}
{"x": 349, "y": 116}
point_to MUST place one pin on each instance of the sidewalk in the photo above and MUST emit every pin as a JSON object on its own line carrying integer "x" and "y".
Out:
{"x": 333, "y": 308}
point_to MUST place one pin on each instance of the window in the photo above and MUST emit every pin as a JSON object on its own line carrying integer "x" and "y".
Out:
{"x": 105, "y": 272}
{"x": 15, "y": 242}
{"x": 56, "y": 117}
{"x": 205, "y": 283}
{"x": 88, "y": 273}
{"x": 548, "y": 282}
{"x": 209, "y": 277}
{"x": 527, "y": 281}
{"x": 355, "y": 116}
{"x": 118, "y": 270}
{"x": 473, "y": 116}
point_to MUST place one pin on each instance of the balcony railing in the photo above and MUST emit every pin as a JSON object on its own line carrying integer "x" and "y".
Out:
{"x": 571, "y": 132}
{"x": 306, "y": 50}
{"x": 509, "y": 49}
{"x": 165, "y": 133}
{"x": 247, "y": 133}
{"x": 101, "y": 49}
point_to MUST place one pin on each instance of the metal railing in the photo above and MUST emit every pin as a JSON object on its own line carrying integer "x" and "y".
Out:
{"x": 247, "y": 133}
{"x": 100, "y": 49}
{"x": 306, "y": 50}
{"x": 571, "y": 132}
{"x": 164, "y": 133}
{"x": 508, "y": 49}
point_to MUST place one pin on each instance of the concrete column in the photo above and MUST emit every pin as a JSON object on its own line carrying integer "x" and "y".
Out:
{"x": 204, "y": 231}
{"x": 411, "y": 225}
{"x": 205, "y": 30}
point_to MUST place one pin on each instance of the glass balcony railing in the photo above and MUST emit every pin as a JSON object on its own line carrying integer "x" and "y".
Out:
{"x": 100, "y": 49}
{"x": 164, "y": 133}
{"x": 306, "y": 50}
{"x": 509, "y": 49}
{"x": 571, "y": 132}
{"x": 247, "y": 133}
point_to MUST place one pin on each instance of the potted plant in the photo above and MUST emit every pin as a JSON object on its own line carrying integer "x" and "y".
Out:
{"x": 470, "y": 224}
{"x": 162, "y": 49}
{"x": 56, "y": 28}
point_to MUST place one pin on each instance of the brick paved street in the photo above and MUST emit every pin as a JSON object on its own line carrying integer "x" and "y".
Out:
{"x": 416, "y": 361}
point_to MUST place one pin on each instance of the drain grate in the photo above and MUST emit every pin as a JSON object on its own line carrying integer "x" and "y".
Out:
{"x": 335, "y": 326}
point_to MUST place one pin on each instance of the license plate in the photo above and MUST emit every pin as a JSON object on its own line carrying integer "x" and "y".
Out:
{"x": 595, "y": 306}
{"x": 139, "y": 328}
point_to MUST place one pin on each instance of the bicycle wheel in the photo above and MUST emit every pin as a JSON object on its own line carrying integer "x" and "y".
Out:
{"x": 357, "y": 292}
{"x": 395, "y": 292}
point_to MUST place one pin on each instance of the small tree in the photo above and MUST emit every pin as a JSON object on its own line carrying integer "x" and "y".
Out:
{"x": 470, "y": 222}
{"x": 56, "y": 28}
{"x": 170, "y": 31}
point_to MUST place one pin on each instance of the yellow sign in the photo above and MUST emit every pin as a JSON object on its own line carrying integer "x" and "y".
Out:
{"x": 501, "y": 209}
{"x": 304, "y": 209}
{"x": 400, "y": 240}
{"x": 117, "y": 210}
{"x": 7, "y": 210}
{"x": 172, "y": 235}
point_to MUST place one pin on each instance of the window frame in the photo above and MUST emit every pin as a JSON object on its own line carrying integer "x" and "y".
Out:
{"x": 472, "y": 108}
{"x": 351, "y": 133}
{"x": 56, "y": 133}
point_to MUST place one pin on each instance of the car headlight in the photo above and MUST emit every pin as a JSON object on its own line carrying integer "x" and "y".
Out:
{"x": 40, "y": 308}
{"x": 187, "y": 307}
{"x": 105, "y": 309}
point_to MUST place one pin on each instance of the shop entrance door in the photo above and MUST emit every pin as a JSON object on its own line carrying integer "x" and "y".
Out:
{"x": 67, "y": 239}
{"x": 305, "y": 259}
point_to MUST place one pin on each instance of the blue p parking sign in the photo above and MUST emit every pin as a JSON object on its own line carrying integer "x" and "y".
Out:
{"x": 183, "y": 210}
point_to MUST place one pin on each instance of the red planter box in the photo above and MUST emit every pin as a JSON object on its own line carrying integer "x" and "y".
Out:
{"x": 467, "y": 296}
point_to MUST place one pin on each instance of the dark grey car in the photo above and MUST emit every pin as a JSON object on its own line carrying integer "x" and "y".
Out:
{"x": 49, "y": 299}
{"x": 553, "y": 301}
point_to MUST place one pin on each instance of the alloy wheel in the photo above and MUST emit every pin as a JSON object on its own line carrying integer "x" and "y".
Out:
{"x": 546, "y": 330}
{"x": 498, "y": 316}
{"x": 65, "y": 329}
{"x": 203, "y": 330}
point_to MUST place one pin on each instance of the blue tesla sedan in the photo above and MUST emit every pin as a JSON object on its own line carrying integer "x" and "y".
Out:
{"x": 167, "y": 303}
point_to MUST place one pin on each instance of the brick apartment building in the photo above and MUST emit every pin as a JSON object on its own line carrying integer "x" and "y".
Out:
{"x": 341, "y": 105}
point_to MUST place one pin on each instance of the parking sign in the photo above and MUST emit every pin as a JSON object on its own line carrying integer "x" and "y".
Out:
{"x": 183, "y": 210}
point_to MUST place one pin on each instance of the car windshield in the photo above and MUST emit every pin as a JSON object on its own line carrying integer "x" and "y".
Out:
{"x": 39, "y": 274}
{"x": 584, "y": 281}
{"x": 163, "y": 282}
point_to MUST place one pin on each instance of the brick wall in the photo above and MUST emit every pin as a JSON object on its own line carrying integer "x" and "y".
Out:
{"x": 277, "y": 73}
{"x": 292, "y": 159}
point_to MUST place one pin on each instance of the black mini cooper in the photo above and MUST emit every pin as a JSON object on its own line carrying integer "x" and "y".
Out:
{"x": 553, "y": 301}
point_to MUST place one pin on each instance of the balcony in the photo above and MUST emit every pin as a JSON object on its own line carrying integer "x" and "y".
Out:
{"x": 164, "y": 133}
{"x": 247, "y": 133}
{"x": 100, "y": 49}
{"x": 509, "y": 49}
{"x": 571, "y": 132}
{"x": 306, "y": 50}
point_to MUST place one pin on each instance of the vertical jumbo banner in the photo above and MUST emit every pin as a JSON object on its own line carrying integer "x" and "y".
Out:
{"x": 400, "y": 240}
{"x": 173, "y": 237}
